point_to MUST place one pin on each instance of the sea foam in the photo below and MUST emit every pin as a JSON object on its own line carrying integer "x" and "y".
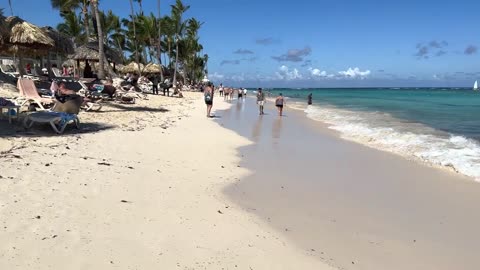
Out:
{"x": 412, "y": 140}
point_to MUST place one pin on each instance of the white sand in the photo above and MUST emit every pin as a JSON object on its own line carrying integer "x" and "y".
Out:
{"x": 61, "y": 196}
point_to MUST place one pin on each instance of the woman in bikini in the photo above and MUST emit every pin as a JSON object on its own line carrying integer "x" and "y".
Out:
{"x": 279, "y": 102}
{"x": 208, "y": 96}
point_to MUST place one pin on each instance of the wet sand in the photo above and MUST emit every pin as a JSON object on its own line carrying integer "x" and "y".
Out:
{"x": 352, "y": 206}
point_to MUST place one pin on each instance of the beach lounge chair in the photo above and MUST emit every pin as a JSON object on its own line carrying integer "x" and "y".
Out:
{"x": 59, "y": 76}
{"x": 29, "y": 94}
{"x": 59, "y": 117}
{"x": 57, "y": 120}
{"x": 9, "y": 70}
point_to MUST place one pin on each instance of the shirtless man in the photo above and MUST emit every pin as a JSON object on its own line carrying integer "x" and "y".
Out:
{"x": 260, "y": 100}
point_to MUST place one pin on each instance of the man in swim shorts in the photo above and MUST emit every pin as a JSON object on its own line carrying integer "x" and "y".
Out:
{"x": 260, "y": 100}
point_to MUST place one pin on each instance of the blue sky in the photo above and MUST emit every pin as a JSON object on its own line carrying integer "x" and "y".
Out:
{"x": 323, "y": 43}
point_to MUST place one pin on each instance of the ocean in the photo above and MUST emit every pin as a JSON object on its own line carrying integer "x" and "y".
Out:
{"x": 439, "y": 126}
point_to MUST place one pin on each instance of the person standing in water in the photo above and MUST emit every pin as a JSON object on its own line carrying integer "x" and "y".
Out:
{"x": 260, "y": 100}
{"x": 279, "y": 102}
{"x": 309, "y": 99}
{"x": 208, "y": 96}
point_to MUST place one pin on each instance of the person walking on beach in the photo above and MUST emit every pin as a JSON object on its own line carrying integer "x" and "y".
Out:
{"x": 244, "y": 93}
{"x": 220, "y": 90}
{"x": 240, "y": 93}
{"x": 260, "y": 100}
{"x": 279, "y": 102}
{"x": 154, "y": 79}
{"x": 309, "y": 99}
{"x": 208, "y": 96}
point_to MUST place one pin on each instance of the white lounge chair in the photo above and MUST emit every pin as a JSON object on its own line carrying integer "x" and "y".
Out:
{"x": 57, "y": 120}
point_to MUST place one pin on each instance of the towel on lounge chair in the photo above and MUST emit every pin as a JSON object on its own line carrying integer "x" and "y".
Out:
{"x": 29, "y": 91}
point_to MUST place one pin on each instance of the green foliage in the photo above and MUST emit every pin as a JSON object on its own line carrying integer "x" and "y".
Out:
{"x": 179, "y": 40}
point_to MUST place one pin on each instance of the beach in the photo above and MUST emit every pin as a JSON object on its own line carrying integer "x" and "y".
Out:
{"x": 355, "y": 206}
{"x": 137, "y": 187}
{"x": 157, "y": 184}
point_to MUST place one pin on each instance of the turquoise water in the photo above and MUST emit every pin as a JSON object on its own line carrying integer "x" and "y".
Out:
{"x": 438, "y": 126}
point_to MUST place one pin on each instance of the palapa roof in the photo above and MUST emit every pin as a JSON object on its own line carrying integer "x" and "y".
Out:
{"x": 25, "y": 34}
{"x": 152, "y": 68}
{"x": 89, "y": 51}
{"x": 132, "y": 68}
{"x": 63, "y": 43}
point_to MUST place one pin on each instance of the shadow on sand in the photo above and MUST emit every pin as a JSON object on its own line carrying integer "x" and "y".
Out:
{"x": 44, "y": 130}
{"x": 132, "y": 108}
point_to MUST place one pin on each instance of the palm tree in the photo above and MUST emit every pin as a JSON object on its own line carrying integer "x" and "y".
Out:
{"x": 168, "y": 24}
{"x": 140, "y": 5}
{"x": 135, "y": 37}
{"x": 10, "y": 5}
{"x": 177, "y": 12}
{"x": 101, "y": 51}
{"x": 205, "y": 61}
{"x": 113, "y": 35}
{"x": 147, "y": 29}
{"x": 192, "y": 57}
{"x": 68, "y": 6}
{"x": 159, "y": 48}
{"x": 72, "y": 27}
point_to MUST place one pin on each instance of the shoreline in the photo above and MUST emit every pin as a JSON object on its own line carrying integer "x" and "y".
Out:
{"x": 384, "y": 148}
{"x": 139, "y": 194}
{"x": 357, "y": 207}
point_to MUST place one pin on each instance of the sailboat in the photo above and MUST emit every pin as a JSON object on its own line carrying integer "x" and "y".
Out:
{"x": 475, "y": 86}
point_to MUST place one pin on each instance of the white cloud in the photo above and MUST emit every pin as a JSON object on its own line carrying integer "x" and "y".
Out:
{"x": 238, "y": 77}
{"x": 354, "y": 73}
{"x": 216, "y": 76}
{"x": 318, "y": 73}
{"x": 315, "y": 72}
{"x": 285, "y": 73}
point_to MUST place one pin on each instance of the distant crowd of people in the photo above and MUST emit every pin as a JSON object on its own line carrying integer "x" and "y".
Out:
{"x": 228, "y": 94}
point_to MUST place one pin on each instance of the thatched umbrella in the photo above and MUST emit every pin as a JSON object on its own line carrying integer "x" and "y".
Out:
{"x": 152, "y": 68}
{"x": 89, "y": 52}
{"x": 63, "y": 43}
{"x": 27, "y": 39}
{"x": 69, "y": 62}
{"x": 26, "y": 35}
{"x": 132, "y": 68}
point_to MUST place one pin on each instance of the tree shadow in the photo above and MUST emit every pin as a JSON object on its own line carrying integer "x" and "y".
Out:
{"x": 132, "y": 108}
{"x": 45, "y": 130}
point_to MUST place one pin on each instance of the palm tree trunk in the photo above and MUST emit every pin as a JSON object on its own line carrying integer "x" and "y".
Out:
{"x": 94, "y": 17}
{"x": 10, "y": 5}
{"x": 135, "y": 38}
{"x": 176, "y": 64}
{"x": 85, "y": 19}
{"x": 159, "y": 49}
{"x": 101, "y": 51}
{"x": 140, "y": 5}
{"x": 169, "y": 53}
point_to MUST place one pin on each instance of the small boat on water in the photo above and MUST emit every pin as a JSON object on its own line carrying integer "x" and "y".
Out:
{"x": 475, "y": 86}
